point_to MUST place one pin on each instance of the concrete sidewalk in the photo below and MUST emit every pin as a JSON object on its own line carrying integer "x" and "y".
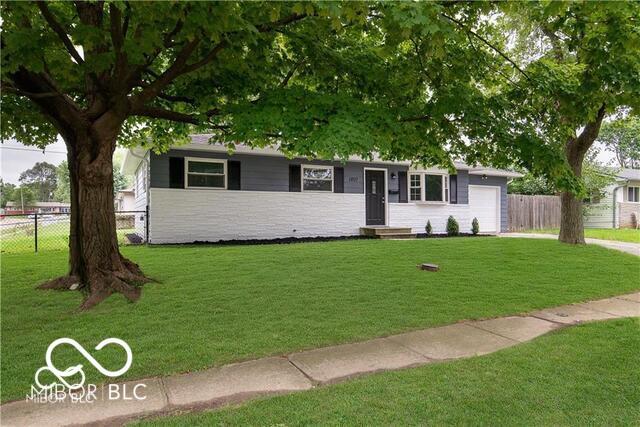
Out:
{"x": 307, "y": 369}
{"x": 628, "y": 247}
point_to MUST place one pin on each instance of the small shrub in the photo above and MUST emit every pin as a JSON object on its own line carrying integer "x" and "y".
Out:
{"x": 429, "y": 228}
{"x": 475, "y": 226}
{"x": 452, "y": 226}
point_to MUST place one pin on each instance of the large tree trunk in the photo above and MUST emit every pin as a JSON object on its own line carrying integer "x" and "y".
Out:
{"x": 96, "y": 266}
{"x": 571, "y": 220}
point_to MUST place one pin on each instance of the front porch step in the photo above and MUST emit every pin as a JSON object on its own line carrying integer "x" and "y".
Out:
{"x": 383, "y": 230}
{"x": 397, "y": 236}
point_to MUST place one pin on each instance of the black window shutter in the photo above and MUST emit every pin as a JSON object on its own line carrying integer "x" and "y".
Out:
{"x": 294, "y": 177}
{"x": 403, "y": 196}
{"x": 233, "y": 172}
{"x": 338, "y": 180}
{"x": 176, "y": 172}
{"x": 453, "y": 189}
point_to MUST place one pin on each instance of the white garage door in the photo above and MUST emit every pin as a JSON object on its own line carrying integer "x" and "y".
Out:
{"x": 484, "y": 204}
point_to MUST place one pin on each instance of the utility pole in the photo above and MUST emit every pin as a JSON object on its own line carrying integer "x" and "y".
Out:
{"x": 21, "y": 199}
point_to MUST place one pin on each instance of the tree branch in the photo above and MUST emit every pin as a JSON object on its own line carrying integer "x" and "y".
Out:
{"x": 57, "y": 28}
{"x": 160, "y": 113}
{"x": 485, "y": 41}
{"x": 168, "y": 76}
{"x": 204, "y": 61}
{"x": 127, "y": 17}
{"x": 180, "y": 66}
{"x": 416, "y": 118}
{"x": 117, "y": 38}
{"x": 591, "y": 130}
{"x": 174, "y": 98}
{"x": 264, "y": 28}
{"x": 115, "y": 19}
{"x": 169, "y": 36}
{"x": 555, "y": 43}
{"x": 61, "y": 111}
{"x": 33, "y": 95}
{"x": 291, "y": 72}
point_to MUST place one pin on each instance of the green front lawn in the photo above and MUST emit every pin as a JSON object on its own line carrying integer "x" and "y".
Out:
{"x": 620, "y": 234}
{"x": 585, "y": 375}
{"x": 218, "y": 304}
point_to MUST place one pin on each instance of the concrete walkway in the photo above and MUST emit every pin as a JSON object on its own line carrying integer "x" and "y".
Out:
{"x": 308, "y": 369}
{"x": 628, "y": 247}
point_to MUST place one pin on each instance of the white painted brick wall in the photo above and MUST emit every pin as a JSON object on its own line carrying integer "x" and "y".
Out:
{"x": 416, "y": 215}
{"x": 184, "y": 216}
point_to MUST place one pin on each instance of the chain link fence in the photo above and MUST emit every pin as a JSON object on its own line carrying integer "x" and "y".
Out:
{"x": 39, "y": 232}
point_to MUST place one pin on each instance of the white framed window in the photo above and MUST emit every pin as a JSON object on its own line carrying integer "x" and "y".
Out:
{"x": 205, "y": 173}
{"x": 415, "y": 187}
{"x": 633, "y": 194}
{"x": 317, "y": 178}
{"x": 428, "y": 187}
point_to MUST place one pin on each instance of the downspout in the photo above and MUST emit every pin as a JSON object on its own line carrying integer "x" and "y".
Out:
{"x": 615, "y": 207}
{"x": 147, "y": 184}
{"x": 615, "y": 202}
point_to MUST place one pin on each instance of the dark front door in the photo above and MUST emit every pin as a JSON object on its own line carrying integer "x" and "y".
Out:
{"x": 375, "y": 192}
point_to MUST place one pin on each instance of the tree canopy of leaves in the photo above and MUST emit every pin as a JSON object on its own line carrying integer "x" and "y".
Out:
{"x": 63, "y": 190}
{"x": 423, "y": 81}
{"x": 622, "y": 138}
{"x": 6, "y": 192}
{"x": 120, "y": 181}
{"x": 406, "y": 80}
{"x": 17, "y": 195}
{"x": 579, "y": 61}
{"x": 42, "y": 180}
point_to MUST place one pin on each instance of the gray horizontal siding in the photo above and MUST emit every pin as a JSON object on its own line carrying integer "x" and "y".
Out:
{"x": 270, "y": 173}
{"x": 496, "y": 181}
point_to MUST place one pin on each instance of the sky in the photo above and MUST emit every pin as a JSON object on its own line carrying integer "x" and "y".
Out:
{"x": 15, "y": 158}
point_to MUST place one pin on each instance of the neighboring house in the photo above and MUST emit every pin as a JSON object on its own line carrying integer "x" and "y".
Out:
{"x": 199, "y": 192}
{"x": 37, "y": 207}
{"x": 621, "y": 200}
{"x": 125, "y": 200}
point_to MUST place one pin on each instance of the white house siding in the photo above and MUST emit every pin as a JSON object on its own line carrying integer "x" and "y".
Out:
{"x": 600, "y": 215}
{"x": 185, "y": 216}
{"x": 416, "y": 215}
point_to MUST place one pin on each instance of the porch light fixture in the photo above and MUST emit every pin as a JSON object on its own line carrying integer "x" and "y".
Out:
{"x": 393, "y": 175}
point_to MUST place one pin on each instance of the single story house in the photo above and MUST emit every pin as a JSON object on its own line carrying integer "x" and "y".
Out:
{"x": 619, "y": 204}
{"x": 200, "y": 192}
{"x": 37, "y": 207}
{"x": 125, "y": 200}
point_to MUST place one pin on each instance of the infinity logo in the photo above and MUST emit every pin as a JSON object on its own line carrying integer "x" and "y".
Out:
{"x": 77, "y": 369}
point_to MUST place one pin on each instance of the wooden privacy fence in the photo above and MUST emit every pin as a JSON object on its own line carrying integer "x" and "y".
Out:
{"x": 533, "y": 212}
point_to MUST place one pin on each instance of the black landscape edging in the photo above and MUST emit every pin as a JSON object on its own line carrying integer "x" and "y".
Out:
{"x": 279, "y": 241}
{"x": 291, "y": 240}
{"x": 445, "y": 235}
